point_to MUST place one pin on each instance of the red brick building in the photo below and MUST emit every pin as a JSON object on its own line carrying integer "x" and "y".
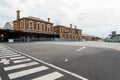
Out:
{"x": 29, "y": 29}
{"x": 35, "y": 29}
{"x": 68, "y": 33}
{"x": 32, "y": 24}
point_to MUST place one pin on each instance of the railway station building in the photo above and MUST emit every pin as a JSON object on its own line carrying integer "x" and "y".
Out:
{"x": 30, "y": 28}
{"x": 68, "y": 33}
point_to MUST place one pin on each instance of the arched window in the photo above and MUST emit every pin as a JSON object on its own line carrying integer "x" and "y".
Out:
{"x": 48, "y": 28}
{"x": 15, "y": 25}
{"x": 21, "y": 24}
{"x": 38, "y": 26}
{"x": 43, "y": 26}
{"x": 30, "y": 24}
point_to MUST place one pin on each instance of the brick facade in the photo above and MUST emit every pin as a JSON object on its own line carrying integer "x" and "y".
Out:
{"x": 33, "y": 24}
{"x": 67, "y": 33}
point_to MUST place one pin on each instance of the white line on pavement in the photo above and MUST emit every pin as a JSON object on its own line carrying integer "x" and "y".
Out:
{"x": 51, "y": 76}
{"x": 10, "y": 56}
{"x": 23, "y": 60}
{"x": 0, "y": 78}
{"x": 7, "y": 54}
{"x": 61, "y": 69}
{"x": 80, "y": 49}
{"x": 18, "y": 58}
{"x": 20, "y": 66}
{"x": 27, "y": 72}
{"x": 5, "y": 61}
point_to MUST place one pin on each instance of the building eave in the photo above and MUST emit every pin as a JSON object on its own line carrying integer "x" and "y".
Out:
{"x": 34, "y": 20}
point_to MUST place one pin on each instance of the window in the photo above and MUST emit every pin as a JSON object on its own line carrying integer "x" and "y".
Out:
{"x": 63, "y": 30}
{"x": 48, "y": 28}
{"x": 15, "y": 24}
{"x": 43, "y": 27}
{"x": 30, "y": 25}
{"x": 38, "y": 26}
{"x": 21, "y": 24}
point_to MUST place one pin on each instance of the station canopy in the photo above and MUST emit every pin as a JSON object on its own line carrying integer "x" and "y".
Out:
{"x": 8, "y": 25}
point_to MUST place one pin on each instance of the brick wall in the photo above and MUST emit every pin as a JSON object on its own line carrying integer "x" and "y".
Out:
{"x": 67, "y": 33}
{"x": 40, "y": 26}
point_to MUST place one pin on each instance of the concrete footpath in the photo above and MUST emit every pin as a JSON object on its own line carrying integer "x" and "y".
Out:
{"x": 89, "y": 44}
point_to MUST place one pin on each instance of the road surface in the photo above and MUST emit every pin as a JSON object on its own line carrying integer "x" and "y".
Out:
{"x": 92, "y": 62}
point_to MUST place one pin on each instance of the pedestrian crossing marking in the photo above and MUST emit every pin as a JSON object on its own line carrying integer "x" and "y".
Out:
{"x": 7, "y": 54}
{"x": 31, "y": 71}
{"x": 27, "y": 72}
{"x": 22, "y": 60}
{"x": 20, "y": 66}
{"x": 10, "y": 56}
{"x": 50, "y": 76}
{"x": 0, "y": 78}
{"x": 18, "y": 58}
{"x": 5, "y": 61}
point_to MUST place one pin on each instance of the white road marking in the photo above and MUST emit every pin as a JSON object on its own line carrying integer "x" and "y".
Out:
{"x": 80, "y": 49}
{"x": 27, "y": 72}
{"x": 5, "y": 61}
{"x": 51, "y": 65}
{"x": 0, "y": 78}
{"x": 6, "y": 51}
{"x": 7, "y": 54}
{"x": 51, "y": 76}
{"x": 23, "y": 60}
{"x": 10, "y": 56}
{"x": 20, "y": 66}
{"x": 66, "y": 60}
{"x": 18, "y": 58}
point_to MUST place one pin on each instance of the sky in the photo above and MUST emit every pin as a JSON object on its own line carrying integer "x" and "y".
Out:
{"x": 95, "y": 17}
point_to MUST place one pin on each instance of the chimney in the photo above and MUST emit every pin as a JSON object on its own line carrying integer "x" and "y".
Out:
{"x": 48, "y": 19}
{"x": 75, "y": 27}
{"x": 70, "y": 25}
{"x": 18, "y": 14}
{"x": 113, "y": 32}
{"x": 18, "y": 19}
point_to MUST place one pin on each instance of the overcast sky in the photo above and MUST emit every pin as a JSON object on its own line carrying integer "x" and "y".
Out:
{"x": 95, "y": 17}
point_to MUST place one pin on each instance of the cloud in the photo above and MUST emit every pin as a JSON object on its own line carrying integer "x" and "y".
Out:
{"x": 92, "y": 16}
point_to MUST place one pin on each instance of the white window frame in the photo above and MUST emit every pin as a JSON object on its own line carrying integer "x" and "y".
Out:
{"x": 49, "y": 27}
{"x": 43, "y": 27}
{"x": 38, "y": 27}
{"x": 30, "y": 26}
{"x": 21, "y": 24}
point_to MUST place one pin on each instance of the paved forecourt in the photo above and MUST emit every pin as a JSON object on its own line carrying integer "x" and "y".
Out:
{"x": 15, "y": 65}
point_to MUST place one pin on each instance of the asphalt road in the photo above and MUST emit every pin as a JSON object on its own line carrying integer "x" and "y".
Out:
{"x": 92, "y": 63}
{"x": 15, "y": 65}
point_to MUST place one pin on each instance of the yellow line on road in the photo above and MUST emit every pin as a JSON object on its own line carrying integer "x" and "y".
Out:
{"x": 117, "y": 49}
